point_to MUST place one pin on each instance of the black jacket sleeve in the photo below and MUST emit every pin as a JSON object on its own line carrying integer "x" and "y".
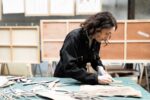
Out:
{"x": 96, "y": 59}
{"x": 71, "y": 68}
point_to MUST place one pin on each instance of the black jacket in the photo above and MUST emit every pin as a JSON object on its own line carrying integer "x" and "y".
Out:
{"x": 74, "y": 55}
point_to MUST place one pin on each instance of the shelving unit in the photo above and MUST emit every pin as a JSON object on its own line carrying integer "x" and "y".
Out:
{"x": 19, "y": 44}
{"x": 126, "y": 44}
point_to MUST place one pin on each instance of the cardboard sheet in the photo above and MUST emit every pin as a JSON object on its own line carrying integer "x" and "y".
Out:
{"x": 106, "y": 90}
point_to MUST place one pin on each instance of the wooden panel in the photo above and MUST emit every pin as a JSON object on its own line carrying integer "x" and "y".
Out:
{"x": 139, "y": 51}
{"x": 112, "y": 51}
{"x": 73, "y": 25}
{"x": 25, "y": 55}
{"x": 25, "y": 37}
{"x": 54, "y": 30}
{"x": 138, "y": 31}
{"x": 51, "y": 49}
{"x": 4, "y": 36}
{"x": 119, "y": 33}
{"x": 5, "y": 55}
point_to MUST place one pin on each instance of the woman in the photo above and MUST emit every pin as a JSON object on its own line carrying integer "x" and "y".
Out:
{"x": 82, "y": 46}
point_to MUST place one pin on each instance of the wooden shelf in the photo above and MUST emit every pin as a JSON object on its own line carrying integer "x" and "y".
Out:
{"x": 4, "y": 45}
{"x": 27, "y": 46}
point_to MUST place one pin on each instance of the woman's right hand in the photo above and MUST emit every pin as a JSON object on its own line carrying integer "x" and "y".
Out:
{"x": 104, "y": 79}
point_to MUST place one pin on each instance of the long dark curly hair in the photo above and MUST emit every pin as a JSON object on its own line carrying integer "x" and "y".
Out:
{"x": 99, "y": 21}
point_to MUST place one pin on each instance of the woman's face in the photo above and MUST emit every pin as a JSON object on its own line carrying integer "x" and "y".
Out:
{"x": 104, "y": 34}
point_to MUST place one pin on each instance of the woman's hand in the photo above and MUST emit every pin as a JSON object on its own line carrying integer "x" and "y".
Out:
{"x": 103, "y": 76}
{"x": 104, "y": 79}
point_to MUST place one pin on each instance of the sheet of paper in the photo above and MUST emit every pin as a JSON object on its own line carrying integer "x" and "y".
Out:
{"x": 13, "y": 6}
{"x": 61, "y": 7}
{"x": 36, "y": 7}
{"x": 3, "y": 81}
{"x": 88, "y": 6}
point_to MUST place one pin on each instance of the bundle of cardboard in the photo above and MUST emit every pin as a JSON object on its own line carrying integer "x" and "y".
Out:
{"x": 107, "y": 90}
